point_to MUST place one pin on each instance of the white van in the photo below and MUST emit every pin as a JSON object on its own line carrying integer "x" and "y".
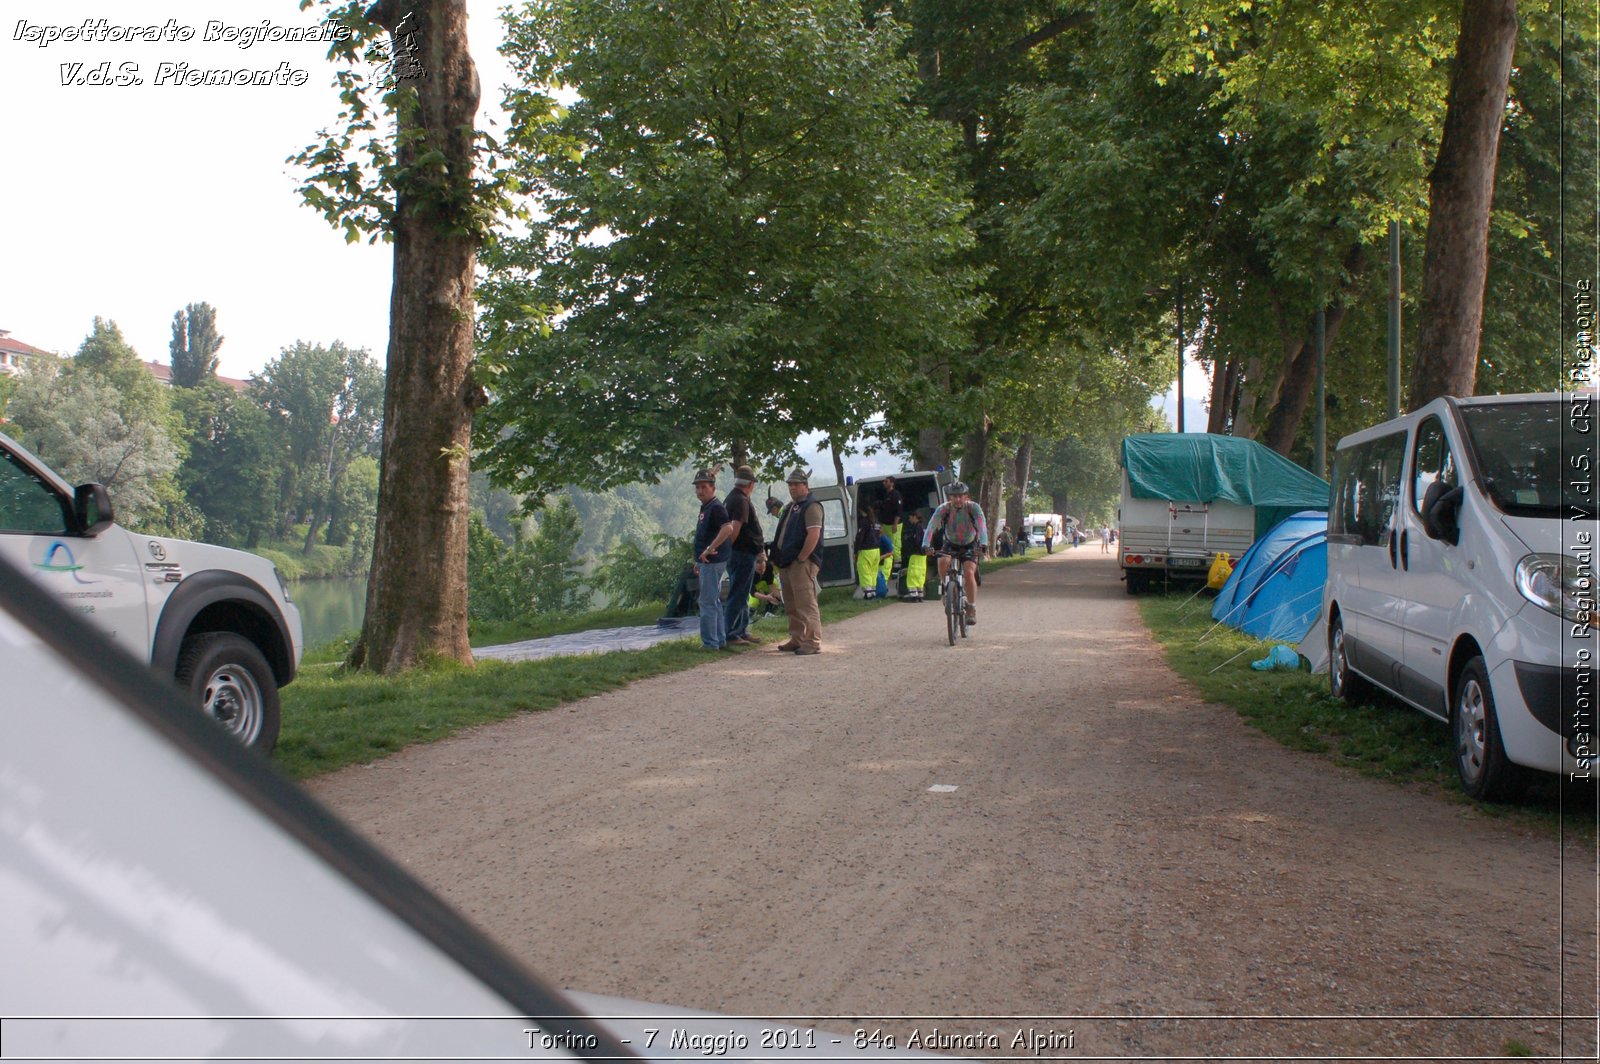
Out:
{"x": 1460, "y": 578}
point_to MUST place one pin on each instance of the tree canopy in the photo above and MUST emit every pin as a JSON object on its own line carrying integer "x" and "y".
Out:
{"x": 747, "y": 236}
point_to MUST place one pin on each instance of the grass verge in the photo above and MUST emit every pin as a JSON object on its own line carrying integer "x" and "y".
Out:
{"x": 1381, "y": 738}
{"x": 333, "y": 717}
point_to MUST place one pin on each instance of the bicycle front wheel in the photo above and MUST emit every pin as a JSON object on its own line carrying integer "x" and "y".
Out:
{"x": 952, "y": 610}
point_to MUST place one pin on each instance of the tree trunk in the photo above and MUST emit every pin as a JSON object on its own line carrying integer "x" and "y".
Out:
{"x": 1021, "y": 471}
{"x": 930, "y": 452}
{"x": 838, "y": 462}
{"x": 1295, "y": 395}
{"x": 1217, "y": 403}
{"x": 417, "y": 594}
{"x": 1461, "y": 190}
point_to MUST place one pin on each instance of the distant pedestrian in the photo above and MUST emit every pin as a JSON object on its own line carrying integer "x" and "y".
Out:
{"x": 1022, "y": 539}
{"x": 799, "y": 558}
{"x": 1049, "y": 537}
{"x": 1105, "y": 540}
{"x": 711, "y": 557}
{"x": 743, "y": 532}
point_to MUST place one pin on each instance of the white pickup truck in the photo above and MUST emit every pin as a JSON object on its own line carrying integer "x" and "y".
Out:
{"x": 218, "y": 621}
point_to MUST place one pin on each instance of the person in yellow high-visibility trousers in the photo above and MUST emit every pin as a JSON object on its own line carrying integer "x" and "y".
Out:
{"x": 916, "y": 558}
{"x": 867, "y": 555}
{"x": 891, "y": 514}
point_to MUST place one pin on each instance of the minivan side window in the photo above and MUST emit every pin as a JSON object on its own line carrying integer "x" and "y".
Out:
{"x": 1367, "y": 488}
{"x": 1432, "y": 461}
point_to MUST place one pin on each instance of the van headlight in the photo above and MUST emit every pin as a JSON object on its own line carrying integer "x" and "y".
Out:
{"x": 1556, "y": 583}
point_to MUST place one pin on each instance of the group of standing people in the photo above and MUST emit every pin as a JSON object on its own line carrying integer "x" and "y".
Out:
{"x": 728, "y": 541}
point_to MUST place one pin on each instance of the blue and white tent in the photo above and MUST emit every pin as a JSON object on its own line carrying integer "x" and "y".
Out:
{"x": 1275, "y": 591}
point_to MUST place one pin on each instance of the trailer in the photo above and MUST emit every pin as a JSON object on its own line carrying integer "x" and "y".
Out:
{"x": 1188, "y": 497}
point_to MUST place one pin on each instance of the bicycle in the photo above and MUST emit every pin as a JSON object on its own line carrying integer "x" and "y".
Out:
{"x": 953, "y": 593}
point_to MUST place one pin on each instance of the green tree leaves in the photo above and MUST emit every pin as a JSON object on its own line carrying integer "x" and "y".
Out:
{"x": 749, "y": 236}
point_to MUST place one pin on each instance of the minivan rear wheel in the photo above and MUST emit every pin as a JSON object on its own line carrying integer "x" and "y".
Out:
{"x": 1486, "y": 774}
{"x": 1342, "y": 683}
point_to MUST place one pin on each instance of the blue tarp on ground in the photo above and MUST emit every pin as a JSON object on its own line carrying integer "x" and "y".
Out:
{"x": 1275, "y": 591}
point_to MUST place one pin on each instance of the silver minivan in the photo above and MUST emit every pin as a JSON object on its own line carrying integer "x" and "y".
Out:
{"x": 1460, "y": 578}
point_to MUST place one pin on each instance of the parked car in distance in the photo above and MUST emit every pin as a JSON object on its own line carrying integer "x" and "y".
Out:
{"x": 219, "y": 621}
{"x": 1458, "y": 584}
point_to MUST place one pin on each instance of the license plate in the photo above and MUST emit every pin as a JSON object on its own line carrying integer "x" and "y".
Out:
{"x": 1188, "y": 563}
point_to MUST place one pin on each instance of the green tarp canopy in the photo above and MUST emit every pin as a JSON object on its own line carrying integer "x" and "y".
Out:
{"x": 1204, "y": 467}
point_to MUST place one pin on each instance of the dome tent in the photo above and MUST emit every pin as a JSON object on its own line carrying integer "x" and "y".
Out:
{"x": 1275, "y": 591}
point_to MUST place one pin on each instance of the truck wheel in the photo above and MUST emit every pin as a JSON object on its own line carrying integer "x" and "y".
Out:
{"x": 1481, "y": 761}
{"x": 1342, "y": 683}
{"x": 233, "y": 685}
{"x": 1135, "y": 581}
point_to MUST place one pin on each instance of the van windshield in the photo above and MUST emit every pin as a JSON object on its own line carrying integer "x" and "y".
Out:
{"x": 1521, "y": 449}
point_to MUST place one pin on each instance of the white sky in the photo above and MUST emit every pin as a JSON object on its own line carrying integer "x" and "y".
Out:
{"x": 130, "y": 202}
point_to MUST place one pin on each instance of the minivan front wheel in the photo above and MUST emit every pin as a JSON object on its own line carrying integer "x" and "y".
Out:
{"x": 1481, "y": 761}
{"x": 233, "y": 685}
{"x": 1342, "y": 683}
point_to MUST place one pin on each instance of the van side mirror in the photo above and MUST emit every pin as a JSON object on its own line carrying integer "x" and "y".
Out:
{"x": 1441, "y": 512}
{"x": 91, "y": 509}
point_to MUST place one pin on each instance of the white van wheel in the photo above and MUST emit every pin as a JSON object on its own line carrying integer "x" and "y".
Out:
{"x": 1342, "y": 683}
{"x": 233, "y": 684}
{"x": 1481, "y": 761}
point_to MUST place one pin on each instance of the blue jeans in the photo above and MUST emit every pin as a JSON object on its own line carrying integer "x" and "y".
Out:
{"x": 741, "y": 577}
{"x": 713, "y": 626}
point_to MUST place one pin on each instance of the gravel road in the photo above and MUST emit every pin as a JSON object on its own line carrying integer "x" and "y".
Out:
{"x": 1040, "y": 832}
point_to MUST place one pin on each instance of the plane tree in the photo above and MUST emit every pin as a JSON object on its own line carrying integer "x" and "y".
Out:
{"x": 746, "y": 235}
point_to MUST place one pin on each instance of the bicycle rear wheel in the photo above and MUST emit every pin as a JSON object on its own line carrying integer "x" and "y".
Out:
{"x": 952, "y": 609}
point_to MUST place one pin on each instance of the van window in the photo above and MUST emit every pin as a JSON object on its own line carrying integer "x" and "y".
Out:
{"x": 1519, "y": 448}
{"x": 1432, "y": 461}
{"x": 27, "y": 504}
{"x": 1366, "y": 487}
{"x": 833, "y": 525}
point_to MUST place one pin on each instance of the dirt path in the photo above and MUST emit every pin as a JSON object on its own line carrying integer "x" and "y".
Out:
{"x": 1117, "y": 860}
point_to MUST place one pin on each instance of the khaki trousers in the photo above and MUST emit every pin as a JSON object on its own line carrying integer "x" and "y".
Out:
{"x": 800, "y": 603}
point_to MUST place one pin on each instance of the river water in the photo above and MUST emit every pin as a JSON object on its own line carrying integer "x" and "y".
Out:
{"x": 330, "y": 608}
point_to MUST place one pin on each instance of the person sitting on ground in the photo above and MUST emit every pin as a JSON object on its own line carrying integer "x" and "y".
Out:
{"x": 765, "y": 595}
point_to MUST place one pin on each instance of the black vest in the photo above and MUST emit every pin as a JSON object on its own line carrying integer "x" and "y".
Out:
{"x": 792, "y": 532}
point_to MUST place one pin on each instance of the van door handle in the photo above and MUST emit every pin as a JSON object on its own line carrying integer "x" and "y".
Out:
{"x": 1405, "y": 552}
{"x": 1394, "y": 561}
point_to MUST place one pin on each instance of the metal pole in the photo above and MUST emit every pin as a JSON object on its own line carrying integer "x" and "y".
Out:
{"x": 1180, "y": 356}
{"x": 1394, "y": 319}
{"x": 1320, "y": 461}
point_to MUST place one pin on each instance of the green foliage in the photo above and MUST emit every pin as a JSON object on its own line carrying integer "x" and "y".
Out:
{"x": 101, "y": 417}
{"x": 630, "y": 576}
{"x": 194, "y": 345}
{"x": 530, "y": 576}
{"x": 232, "y": 468}
{"x": 326, "y": 403}
{"x": 749, "y": 236}
{"x": 376, "y": 155}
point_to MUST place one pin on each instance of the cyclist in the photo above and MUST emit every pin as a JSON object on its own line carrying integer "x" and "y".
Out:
{"x": 966, "y": 537}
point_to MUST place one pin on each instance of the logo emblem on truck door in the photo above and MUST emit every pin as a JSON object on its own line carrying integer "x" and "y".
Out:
{"x": 157, "y": 551}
